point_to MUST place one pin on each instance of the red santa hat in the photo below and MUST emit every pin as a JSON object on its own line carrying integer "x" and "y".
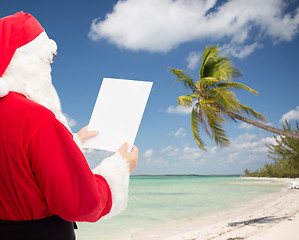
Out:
{"x": 15, "y": 31}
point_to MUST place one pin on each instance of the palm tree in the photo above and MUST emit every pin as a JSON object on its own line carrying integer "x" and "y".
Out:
{"x": 213, "y": 102}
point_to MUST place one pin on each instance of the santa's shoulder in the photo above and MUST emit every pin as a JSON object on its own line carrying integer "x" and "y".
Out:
{"x": 17, "y": 107}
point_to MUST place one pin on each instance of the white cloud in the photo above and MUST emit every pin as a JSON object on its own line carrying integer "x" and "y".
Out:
{"x": 191, "y": 153}
{"x": 190, "y": 150}
{"x": 245, "y": 151}
{"x": 152, "y": 166}
{"x": 251, "y": 143}
{"x": 72, "y": 122}
{"x": 148, "y": 153}
{"x": 245, "y": 137}
{"x": 179, "y": 133}
{"x": 170, "y": 151}
{"x": 161, "y": 25}
{"x": 269, "y": 140}
{"x": 178, "y": 110}
{"x": 290, "y": 115}
{"x": 239, "y": 51}
{"x": 193, "y": 60}
{"x": 246, "y": 126}
{"x": 232, "y": 157}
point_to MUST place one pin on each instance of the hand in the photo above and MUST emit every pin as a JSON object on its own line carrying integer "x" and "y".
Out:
{"x": 131, "y": 157}
{"x": 84, "y": 134}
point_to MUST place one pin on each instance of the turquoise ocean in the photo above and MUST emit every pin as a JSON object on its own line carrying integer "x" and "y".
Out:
{"x": 164, "y": 200}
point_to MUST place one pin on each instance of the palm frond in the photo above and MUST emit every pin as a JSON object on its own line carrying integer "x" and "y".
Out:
{"x": 218, "y": 66}
{"x": 201, "y": 115}
{"x": 186, "y": 79}
{"x": 224, "y": 69}
{"x": 202, "y": 112}
{"x": 185, "y": 100}
{"x": 209, "y": 53}
{"x": 219, "y": 134}
{"x": 225, "y": 98}
{"x": 250, "y": 112}
{"x": 206, "y": 82}
{"x": 213, "y": 122}
{"x": 238, "y": 86}
{"x": 213, "y": 95}
{"x": 208, "y": 101}
{"x": 208, "y": 69}
{"x": 195, "y": 128}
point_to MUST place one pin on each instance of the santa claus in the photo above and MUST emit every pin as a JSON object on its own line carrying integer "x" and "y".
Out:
{"x": 45, "y": 181}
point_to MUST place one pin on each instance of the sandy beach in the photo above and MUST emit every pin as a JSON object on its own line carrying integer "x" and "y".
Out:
{"x": 275, "y": 217}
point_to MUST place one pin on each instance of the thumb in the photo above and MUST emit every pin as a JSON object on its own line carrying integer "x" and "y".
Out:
{"x": 91, "y": 134}
{"x": 88, "y": 134}
{"x": 124, "y": 148}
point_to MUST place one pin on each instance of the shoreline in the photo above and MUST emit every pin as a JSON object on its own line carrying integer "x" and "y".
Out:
{"x": 274, "y": 216}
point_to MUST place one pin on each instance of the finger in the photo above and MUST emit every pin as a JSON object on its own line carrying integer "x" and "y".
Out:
{"x": 91, "y": 134}
{"x": 134, "y": 149}
{"x": 124, "y": 147}
{"x": 84, "y": 129}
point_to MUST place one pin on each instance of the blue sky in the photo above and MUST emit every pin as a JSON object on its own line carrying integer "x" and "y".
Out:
{"x": 140, "y": 39}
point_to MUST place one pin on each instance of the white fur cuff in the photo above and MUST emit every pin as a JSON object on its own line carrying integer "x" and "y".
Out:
{"x": 78, "y": 141}
{"x": 3, "y": 88}
{"x": 116, "y": 171}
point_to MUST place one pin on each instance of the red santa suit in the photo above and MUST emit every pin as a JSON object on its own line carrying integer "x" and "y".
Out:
{"x": 43, "y": 171}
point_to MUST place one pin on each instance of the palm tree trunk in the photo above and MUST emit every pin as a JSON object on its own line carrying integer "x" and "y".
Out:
{"x": 261, "y": 125}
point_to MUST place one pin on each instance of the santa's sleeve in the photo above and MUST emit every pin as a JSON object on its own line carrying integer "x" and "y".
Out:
{"x": 78, "y": 141}
{"x": 69, "y": 187}
{"x": 116, "y": 171}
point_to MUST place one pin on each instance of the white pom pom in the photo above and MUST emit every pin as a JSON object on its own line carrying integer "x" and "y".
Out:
{"x": 3, "y": 88}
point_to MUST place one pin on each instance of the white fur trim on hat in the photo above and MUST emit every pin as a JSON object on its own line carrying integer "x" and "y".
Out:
{"x": 29, "y": 73}
{"x": 3, "y": 88}
{"x": 16, "y": 77}
{"x": 116, "y": 171}
{"x": 42, "y": 46}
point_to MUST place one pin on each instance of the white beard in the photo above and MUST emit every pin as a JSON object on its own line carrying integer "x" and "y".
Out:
{"x": 29, "y": 73}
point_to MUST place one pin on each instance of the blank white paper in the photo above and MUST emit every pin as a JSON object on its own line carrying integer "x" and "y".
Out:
{"x": 117, "y": 113}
